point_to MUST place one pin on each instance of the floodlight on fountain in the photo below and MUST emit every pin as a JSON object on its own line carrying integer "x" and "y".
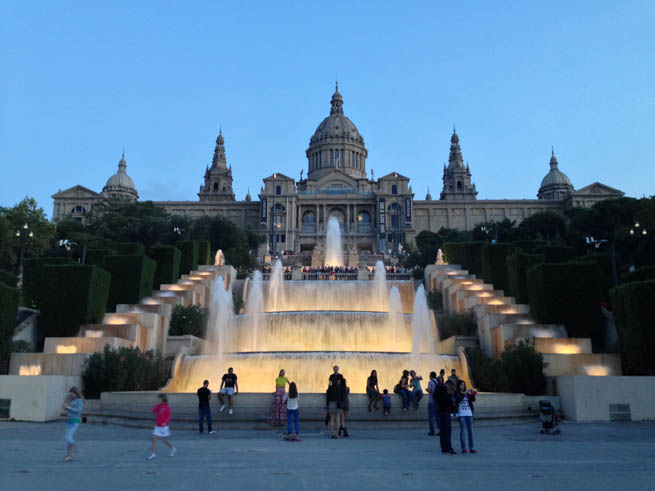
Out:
{"x": 596, "y": 370}
{"x": 66, "y": 349}
{"x": 94, "y": 334}
{"x": 30, "y": 370}
{"x": 567, "y": 349}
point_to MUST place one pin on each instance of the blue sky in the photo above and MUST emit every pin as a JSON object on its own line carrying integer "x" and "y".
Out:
{"x": 82, "y": 80}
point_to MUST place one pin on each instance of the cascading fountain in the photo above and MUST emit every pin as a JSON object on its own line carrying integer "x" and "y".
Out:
{"x": 306, "y": 327}
{"x": 333, "y": 247}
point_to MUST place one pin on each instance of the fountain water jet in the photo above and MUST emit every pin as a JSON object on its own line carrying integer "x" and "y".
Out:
{"x": 255, "y": 306}
{"x": 423, "y": 332}
{"x": 333, "y": 247}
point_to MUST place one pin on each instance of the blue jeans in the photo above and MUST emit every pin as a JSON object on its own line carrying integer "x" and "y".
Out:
{"x": 417, "y": 395}
{"x": 432, "y": 415}
{"x": 71, "y": 428}
{"x": 466, "y": 422}
{"x": 204, "y": 412}
{"x": 292, "y": 414}
{"x": 406, "y": 396}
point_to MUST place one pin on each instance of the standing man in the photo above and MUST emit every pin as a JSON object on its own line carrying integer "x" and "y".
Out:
{"x": 204, "y": 411}
{"x": 229, "y": 387}
{"x": 445, "y": 407}
{"x": 432, "y": 405}
{"x": 454, "y": 378}
{"x": 335, "y": 376}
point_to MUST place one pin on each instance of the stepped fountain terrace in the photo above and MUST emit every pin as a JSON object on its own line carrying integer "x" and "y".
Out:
{"x": 306, "y": 327}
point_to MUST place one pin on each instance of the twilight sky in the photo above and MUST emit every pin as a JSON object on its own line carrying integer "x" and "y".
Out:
{"x": 83, "y": 80}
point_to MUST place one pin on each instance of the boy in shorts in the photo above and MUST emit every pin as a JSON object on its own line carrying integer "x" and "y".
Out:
{"x": 229, "y": 387}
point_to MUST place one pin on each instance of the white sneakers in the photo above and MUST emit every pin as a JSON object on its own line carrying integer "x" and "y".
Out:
{"x": 229, "y": 412}
{"x": 212, "y": 432}
{"x": 172, "y": 454}
{"x": 152, "y": 456}
{"x": 222, "y": 408}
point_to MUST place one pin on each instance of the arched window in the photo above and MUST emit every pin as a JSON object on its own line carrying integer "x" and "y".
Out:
{"x": 215, "y": 186}
{"x": 394, "y": 189}
{"x": 278, "y": 190}
{"x": 338, "y": 214}
{"x": 459, "y": 185}
{"x": 364, "y": 222}
{"x": 309, "y": 222}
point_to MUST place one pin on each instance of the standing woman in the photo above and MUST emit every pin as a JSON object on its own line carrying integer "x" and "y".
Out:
{"x": 291, "y": 400}
{"x": 465, "y": 408}
{"x": 373, "y": 391}
{"x": 278, "y": 411}
{"x": 345, "y": 407}
{"x": 163, "y": 412}
{"x": 73, "y": 405}
{"x": 417, "y": 391}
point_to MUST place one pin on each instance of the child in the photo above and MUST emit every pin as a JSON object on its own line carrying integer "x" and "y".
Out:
{"x": 163, "y": 412}
{"x": 386, "y": 398}
{"x": 291, "y": 400}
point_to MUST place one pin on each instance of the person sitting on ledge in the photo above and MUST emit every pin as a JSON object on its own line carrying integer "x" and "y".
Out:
{"x": 229, "y": 388}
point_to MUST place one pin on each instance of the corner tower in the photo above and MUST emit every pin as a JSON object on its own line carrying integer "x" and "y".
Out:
{"x": 457, "y": 177}
{"x": 218, "y": 177}
{"x": 336, "y": 144}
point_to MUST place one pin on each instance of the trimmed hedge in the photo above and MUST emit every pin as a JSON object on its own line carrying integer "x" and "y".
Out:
{"x": 188, "y": 320}
{"x": 72, "y": 295}
{"x": 641, "y": 274}
{"x": 33, "y": 276}
{"x": 168, "y": 260}
{"x": 8, "y": 278}
{"x": 189, "y": 249}
{"x": 518, "y": 264}
{"x": 494, "y": 264}
{"x": 556, "y": 254}
{"x": 528, "y": 246}
{"x": 96, "y": 257}
{"x": 605, "y": 264}
{"x": 567, "y": 293}
{"x": 125, "y": 369}
{"x": 204, "y": 252}
{"x": 9, "y": 300}
{"x": 132, "y": 278}
{"x": 130, "y": 249}
{"x": 466, "y": 254}
{"x": 457, "y": 325}
{"x": 635, "y": 323}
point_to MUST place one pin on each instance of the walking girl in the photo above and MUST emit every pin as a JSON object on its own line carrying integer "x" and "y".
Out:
{"x": 163, "y": 412}
{"x": 73, "y": 405}
{"x": 291, "y": 400}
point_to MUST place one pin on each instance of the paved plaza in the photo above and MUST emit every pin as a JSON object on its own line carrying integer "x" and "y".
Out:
{"x": 511, "y": 456}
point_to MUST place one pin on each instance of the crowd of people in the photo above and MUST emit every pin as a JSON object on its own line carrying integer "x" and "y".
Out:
{"x": 446, "y": 398}
{"x": 330, "y": 269}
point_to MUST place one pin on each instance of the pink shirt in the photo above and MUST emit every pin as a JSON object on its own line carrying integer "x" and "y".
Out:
{"x": 163, "y": 414}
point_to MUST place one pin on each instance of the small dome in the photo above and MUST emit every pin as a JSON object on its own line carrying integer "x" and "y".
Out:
{"x": 556, "y": 184}
{"x": 120, "y": 185}
{"x": 336, "y": 126}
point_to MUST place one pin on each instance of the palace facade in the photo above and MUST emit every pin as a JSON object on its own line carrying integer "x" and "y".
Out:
{"x": 375, "y": 215}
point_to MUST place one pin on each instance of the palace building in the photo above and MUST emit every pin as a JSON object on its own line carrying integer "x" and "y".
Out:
{"x": 375, "y": 215}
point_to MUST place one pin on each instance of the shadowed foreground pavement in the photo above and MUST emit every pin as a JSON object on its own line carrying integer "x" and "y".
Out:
{"x": 585, "y": 456}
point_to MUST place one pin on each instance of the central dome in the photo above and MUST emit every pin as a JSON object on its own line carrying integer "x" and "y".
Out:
{"x": 336, "y": 143}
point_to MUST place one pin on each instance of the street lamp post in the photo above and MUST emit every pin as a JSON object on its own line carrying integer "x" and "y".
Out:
{"x": 593, "y": 242}
{"x": 23, "y": 235}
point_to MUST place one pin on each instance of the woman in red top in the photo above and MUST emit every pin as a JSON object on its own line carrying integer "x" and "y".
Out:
{"x": 163, "y": 412}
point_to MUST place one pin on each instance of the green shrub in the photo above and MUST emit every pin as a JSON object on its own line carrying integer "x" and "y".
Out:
{"x": 494, "y": 264}
{"x": 189, "y": 250}
{"x": 130, "y": 249}
{"x": 131, "y": 279}
{"x": 204, "y": 252}
{"x": 457, "y": 325}
{"x": 520, "y": 369}
{"x": 466, "y": 254}
{"x": 8, "y": 278}
{"x": 635, "y": 323}
{"x": 125, "y": 369}
{"x": 641, "y": 274}
{"x": 556, "y": 254}
{"x": 72, "y": 295}
{"x": 518, "y": 264}
{"x": 239, "y": 257}
{"x": 528, "y": 246}
{"x": 188, "y": 320}
{"x": 435, "y": 301}
{"x": 9, "y": 300}
{"x": 22, "y": 346}
{"x": 566, "y": 293}
{"x": 604, "y": 262}
{"x": 168, "y": 260}
{"x": 33, "y": 275}
{"x": 96, "y": 257}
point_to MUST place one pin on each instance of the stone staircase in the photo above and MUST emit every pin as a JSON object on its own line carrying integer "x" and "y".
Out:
{"x": 143, "y": 325}
{"x": 502, "y": 322}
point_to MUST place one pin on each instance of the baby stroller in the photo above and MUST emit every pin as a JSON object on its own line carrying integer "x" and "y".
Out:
{"x": 548, "y": 418}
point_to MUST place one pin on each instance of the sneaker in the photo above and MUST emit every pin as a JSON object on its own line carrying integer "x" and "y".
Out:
{"x": 464, "y": 451}
{"x": 68, "y": 458}
{"x": 473, "y": 451}
{"x": 212, "y": 432}
{"x": 152, "y": 456}
{"x": 172, "y": 454}
{"x": 229, "y": 412}
{"x": 451, "y": 452}
{"x": 298, "y": 438}
{"x": 222, "y": 408}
